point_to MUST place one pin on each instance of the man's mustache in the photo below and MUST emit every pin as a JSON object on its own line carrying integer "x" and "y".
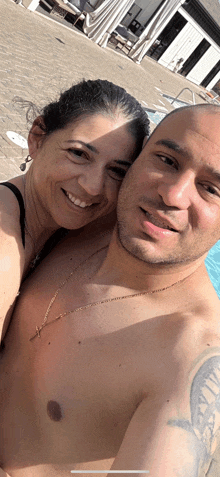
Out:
{"x": 159, "y": 207}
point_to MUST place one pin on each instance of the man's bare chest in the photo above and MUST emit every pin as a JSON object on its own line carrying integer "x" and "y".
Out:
{"x": 85, "y": 376}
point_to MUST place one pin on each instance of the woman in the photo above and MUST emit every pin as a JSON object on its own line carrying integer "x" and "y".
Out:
{"x": 81, "y": 146}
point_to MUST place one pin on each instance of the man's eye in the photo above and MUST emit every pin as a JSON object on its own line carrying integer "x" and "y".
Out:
{"x": 210, "y": 189}
{"x": 167, "y": 160}
{"x": 117, "y": 173}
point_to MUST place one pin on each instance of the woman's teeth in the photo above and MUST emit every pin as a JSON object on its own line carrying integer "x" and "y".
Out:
{"x": 77, "y": 201}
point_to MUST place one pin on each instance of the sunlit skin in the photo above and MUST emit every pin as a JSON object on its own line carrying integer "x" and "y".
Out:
{"x": 73, "y": 179}
{"x": 87, "y": 161}
{"x": 174, "y": 183}
{"x": 112, "y": 358}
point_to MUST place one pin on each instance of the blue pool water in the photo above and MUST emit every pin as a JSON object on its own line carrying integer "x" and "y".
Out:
{"x": 213, "y": 266}
{"x": 155, "y": 116}
{"x": 212, "y": 261}
{"x": 177, "y": 103}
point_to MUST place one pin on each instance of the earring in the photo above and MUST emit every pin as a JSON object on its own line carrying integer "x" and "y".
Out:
{"x": 23, "y": 165}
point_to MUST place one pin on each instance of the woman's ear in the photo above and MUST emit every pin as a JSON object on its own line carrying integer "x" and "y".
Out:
{"x": 36, "y": 136}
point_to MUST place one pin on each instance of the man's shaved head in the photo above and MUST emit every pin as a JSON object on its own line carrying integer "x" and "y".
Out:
{"x": 198, "y": 108}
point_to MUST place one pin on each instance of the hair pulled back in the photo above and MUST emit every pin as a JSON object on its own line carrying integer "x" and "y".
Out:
{"x": 92, "y": 97}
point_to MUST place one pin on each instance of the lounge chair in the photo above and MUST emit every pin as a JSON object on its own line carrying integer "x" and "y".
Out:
{"x": 124, "y": 37}
{"x": 78, "y": 8}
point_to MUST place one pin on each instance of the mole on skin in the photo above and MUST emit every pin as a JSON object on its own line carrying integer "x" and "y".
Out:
{"x": 54, "y": 411}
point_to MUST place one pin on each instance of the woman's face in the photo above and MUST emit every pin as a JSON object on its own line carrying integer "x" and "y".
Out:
{"x": 77, "y": 171}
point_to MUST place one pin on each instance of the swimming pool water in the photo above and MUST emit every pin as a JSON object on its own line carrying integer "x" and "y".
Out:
{"x": 155, "y": 116}
{"x": 177, "y": 103}
{"x": 212, "y": 263}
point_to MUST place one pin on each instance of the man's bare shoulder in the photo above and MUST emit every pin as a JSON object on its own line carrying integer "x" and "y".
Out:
{"x": 182, "y": 422}
{"x": 194, "y": 326}
{"x": 180, "y": 413}
{"x": 184, "y": 336}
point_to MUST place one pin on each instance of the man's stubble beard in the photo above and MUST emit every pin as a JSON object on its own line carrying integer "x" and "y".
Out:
{"x": 137, "y": 251}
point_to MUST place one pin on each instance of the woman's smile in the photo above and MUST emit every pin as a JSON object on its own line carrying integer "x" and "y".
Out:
{"x": 76, "y": 201}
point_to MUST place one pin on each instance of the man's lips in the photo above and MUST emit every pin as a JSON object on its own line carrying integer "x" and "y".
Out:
{"x": 161, "y": 224}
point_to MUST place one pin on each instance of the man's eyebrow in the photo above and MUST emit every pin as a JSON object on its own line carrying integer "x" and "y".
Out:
{"x": 89, "y": 146}
{"x": 174, "y": 146}
{"x": 213, "y": 172}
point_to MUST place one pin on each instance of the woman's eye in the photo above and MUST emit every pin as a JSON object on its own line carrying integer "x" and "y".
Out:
{"x": 117, "y": 173}
{"x": 78, "y": 153}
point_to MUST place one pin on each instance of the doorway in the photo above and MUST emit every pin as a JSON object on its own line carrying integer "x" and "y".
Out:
{"x": 211, "y": 75}
{"x": 194, "y": 57}
{"x": 166, "y": 37}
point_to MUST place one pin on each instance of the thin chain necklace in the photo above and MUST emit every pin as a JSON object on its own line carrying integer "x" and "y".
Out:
{"x": 89, "y": 305}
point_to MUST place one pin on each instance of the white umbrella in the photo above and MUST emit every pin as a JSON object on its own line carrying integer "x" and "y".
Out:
{"x": 147, "y": 37}
{"x": 99, "y": 24}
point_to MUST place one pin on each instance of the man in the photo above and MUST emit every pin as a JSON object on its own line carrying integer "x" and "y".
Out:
{"x": 113, "y": 355}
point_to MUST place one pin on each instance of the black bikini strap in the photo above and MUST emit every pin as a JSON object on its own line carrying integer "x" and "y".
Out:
{"x": 20, "y": 200}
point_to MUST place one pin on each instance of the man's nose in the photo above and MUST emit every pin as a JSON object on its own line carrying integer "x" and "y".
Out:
{"x": 178, "y": 192}
{"x": 92, "y": 181}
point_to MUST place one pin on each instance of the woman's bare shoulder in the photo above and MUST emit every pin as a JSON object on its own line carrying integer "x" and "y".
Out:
{"x": 9, "y": 210}
{"x": 12, "y": 255}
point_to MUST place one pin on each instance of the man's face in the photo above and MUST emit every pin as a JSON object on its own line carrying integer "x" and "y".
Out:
{"x": 169, "y": 204}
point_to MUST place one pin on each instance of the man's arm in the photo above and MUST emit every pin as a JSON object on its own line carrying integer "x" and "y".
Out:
{"x": 176, "y": 435}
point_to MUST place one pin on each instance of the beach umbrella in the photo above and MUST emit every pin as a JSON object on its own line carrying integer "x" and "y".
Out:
{"x": 154, "y": 27}
{"x": 99, "y": 24}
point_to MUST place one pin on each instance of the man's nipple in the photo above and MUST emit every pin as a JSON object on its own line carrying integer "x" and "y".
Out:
{"x": 54, "y": 411}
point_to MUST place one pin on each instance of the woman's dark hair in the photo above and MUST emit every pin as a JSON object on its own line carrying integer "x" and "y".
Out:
{"x": 97, "y": 97}
{"x": 87, "y": 98}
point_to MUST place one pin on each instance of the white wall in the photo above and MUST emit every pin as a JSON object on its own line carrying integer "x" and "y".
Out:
{"x": 204, "y": 65}
{"x": 148, "y": 8}
{"x": 184, "y": 44}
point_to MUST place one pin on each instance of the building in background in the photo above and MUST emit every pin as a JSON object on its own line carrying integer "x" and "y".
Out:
{"x": 188, "y": 41}
{"x": 183, "y": 36}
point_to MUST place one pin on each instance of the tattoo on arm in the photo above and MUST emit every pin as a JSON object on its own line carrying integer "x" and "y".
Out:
{"x": 205, "y": 412}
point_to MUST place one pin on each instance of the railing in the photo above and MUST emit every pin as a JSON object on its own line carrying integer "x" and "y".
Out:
{"x": 193, "y": 95}
{"x": 205, "y": 97}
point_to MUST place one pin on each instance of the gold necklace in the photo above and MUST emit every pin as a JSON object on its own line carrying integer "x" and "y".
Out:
{"x": 89, "y": 305}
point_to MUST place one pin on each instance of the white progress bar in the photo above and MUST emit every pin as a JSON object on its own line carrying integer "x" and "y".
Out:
{"x": 109, "y": 471}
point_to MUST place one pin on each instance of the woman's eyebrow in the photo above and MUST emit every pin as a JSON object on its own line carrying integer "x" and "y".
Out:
{"x": 89, "y": 146}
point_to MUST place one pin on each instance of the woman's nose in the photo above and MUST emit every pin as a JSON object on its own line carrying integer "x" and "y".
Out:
{"x": 92, "y": 182}
{"x": 177, "y": 193}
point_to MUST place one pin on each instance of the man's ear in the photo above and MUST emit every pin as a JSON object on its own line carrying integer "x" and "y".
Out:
{"x": 36, "y": 136}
